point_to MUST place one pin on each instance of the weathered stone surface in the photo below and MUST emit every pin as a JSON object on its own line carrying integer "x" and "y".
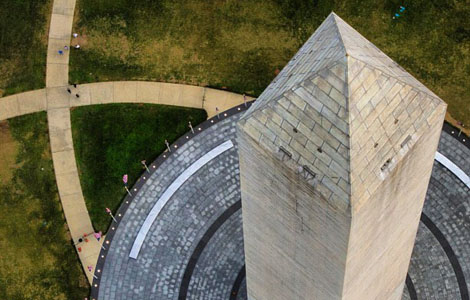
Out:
{"x": 387, "y": 126}
{"x": 60, "y": 26}
{"x": 64, "y": 162}
{"x": 61, "y": 140}
{"x": 159, "y": 272}
{"x": 58, "y": 119}
{"x": 430, "y": 269}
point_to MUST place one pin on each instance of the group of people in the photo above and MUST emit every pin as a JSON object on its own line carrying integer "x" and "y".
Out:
{"x": 66, "y": 47}
{"x": 397, "y": 14}
{"x": 69, "y": 90}
{"x": 84, "y": 238}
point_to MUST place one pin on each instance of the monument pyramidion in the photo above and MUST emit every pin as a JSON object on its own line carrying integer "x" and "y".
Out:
{"x": 335, "y": 160}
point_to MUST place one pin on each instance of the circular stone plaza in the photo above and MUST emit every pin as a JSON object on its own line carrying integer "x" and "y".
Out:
{"x": 194, "y": 248}
{"x": 179, "y": 234}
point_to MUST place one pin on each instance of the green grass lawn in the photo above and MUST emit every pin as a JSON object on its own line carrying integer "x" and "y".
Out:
{"x": 239, "y": 45}
{"x": 111, "y": 140}
{"x": 37, "y": 259}
{"x": 23, "y": 44}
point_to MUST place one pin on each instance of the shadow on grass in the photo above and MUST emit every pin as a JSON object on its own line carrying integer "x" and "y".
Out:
{"x": 111, "y": 140}
{"x": 238, "y": 45}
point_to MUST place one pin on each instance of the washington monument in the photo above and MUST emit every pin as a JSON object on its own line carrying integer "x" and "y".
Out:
{"x": 335, "y": 160}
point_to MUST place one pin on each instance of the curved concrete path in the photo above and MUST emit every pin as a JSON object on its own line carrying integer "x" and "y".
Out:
{"x": 60, "y": 133}
{"x": 57, "y": 102}
{"x": 120, "y": 92}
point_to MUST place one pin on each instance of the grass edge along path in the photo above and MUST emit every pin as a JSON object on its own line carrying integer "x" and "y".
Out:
{"x": 37, "y": 258}
{"x": 111, "y": 140}
{"x": 240, "y": 46}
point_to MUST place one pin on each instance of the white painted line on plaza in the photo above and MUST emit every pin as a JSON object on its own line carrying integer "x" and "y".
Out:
{"x": 174, "y": 186}
{"x": 181, "y": 179}
{"x": 453, "y": 168}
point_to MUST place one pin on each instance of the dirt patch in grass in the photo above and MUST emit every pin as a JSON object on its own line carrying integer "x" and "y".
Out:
{"x": 7, "y": 154}
{"x": 111, "y": 140}
{"x": 37, "y": 258}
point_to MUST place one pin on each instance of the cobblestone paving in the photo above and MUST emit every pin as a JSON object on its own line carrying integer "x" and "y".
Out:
{"x": 242, "y": 294}
{"x": 458, "y": 153}
{"x": 430, "y": 269}
{"x": 220, "y": 262}
{"x": 158, "y": 271}
{"x": 406, "y": 294}
{"x": 448, "y": 206}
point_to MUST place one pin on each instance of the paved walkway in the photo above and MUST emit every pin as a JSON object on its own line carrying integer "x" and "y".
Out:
{"x": 60, "y": 133}
{"x": 57, "y": 102}
{"x": 194, "y": 248}
{"x": 120, "y": 92}
{"x": 159, "y": 270}
{"x": 57, "y": 70}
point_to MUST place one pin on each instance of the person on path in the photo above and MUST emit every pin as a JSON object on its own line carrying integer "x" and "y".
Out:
{"x": 60, "y": 52}
{"x": 77, "y": 46}
{"x": 69, "y": 91}
{"x": 97, "y": 235}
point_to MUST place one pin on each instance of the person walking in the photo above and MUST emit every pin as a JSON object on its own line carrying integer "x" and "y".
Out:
{"x": 97, "y": 235}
